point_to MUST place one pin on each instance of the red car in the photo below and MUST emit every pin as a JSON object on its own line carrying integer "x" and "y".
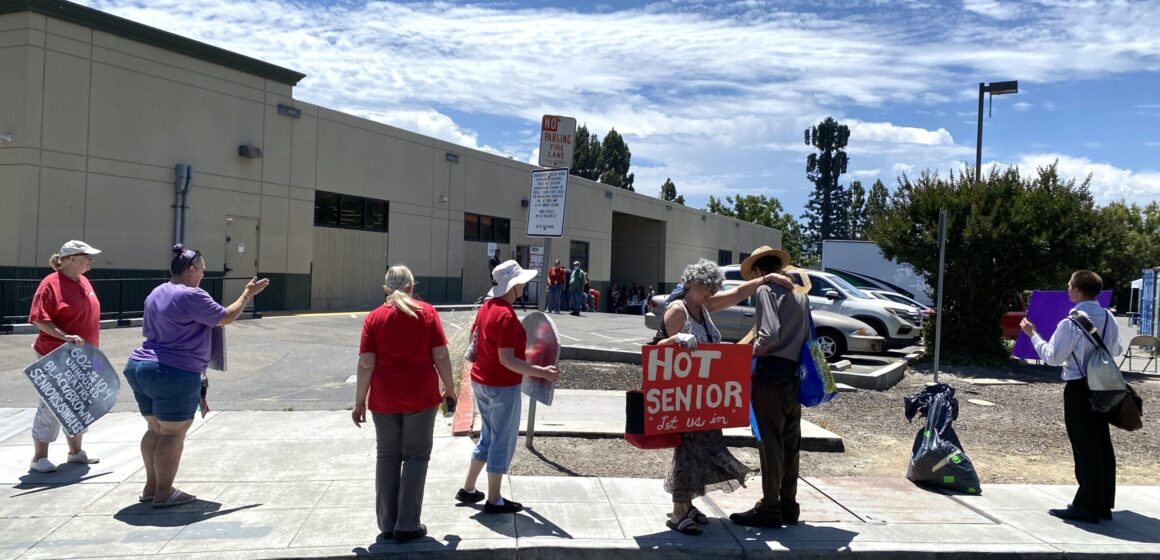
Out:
{"x": 1016, "y": 311}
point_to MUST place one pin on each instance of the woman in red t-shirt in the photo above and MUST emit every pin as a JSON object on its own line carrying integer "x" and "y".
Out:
{"x": 402, "y": 358}
{"x": 499, "y": 368}
{"x": 65, "y": 309}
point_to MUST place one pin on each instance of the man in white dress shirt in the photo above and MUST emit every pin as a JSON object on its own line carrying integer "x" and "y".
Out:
{"x": 1088, "y": 431}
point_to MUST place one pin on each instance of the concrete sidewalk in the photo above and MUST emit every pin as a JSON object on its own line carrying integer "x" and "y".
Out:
{"x": 301, "y": 485}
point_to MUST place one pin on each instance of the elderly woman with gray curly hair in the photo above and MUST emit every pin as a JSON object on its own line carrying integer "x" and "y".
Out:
{"x": 702, "y": 463}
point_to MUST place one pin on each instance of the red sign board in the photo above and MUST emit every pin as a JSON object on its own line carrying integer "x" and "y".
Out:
{"x": 702, "y": 389}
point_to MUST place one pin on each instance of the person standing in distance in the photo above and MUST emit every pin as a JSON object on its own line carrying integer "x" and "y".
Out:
{"x": 65, "y": 309}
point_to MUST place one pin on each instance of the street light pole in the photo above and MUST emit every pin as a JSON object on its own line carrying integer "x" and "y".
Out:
{"x": 979, "y": 137}
{"x": 994, "y": 88}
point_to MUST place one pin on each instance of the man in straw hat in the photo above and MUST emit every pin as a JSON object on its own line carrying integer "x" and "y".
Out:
{"x": 782, "y": 317}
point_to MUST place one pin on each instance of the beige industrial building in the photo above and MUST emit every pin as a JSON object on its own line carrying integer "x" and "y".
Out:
{"x": 105, "y": 122}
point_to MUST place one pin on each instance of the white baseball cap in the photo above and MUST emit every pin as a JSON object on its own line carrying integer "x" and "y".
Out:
{"x": 76, "y": 247}
{"x": 508, "y": 274}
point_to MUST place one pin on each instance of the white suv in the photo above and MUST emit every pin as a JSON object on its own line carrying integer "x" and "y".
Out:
{"x": 897, "y": 323}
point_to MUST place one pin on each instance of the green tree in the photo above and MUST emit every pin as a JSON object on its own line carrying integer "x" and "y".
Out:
{"x": 859, "y": 215}
{"x": 768, "y": 212}
{"x": 877, "y": 202}
{"x": 1005, "y": 234}
{"x": 826, "y": 211}
{"x": 669, "y": 192}
{"x": 614, "y": 161}
{"x": 586, "y": 154}
{"x": 1127, "y": 245}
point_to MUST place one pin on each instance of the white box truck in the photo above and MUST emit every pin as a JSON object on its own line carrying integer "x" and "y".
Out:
{"x": 862, "y": 264}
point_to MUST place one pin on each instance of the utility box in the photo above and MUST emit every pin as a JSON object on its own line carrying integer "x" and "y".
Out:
{"x": 1149, "y": 303}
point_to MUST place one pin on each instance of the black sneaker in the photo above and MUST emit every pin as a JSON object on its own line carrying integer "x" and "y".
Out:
{"x": 507, "y": 507}
{"x": 401, "y": 537}
{"x": 757, "y": 518}
{"x": 465, "y": 497}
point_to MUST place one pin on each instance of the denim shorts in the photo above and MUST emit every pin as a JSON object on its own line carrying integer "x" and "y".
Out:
{"x": 170, "y": 394}
{"x": 499, "y": 411}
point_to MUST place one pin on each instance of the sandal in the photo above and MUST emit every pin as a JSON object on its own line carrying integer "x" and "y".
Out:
{"x": 145, "y": 499}
{"x": 685, "y": 526}
{"x": 696, "y": 515}
{"x": 176, "y": 498}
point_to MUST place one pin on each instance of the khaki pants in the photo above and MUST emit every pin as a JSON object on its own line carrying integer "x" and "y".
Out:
{"x": 404, "y": 448}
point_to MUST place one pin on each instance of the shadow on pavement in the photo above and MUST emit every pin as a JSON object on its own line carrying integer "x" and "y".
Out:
{"x": 145, "y": 515}
{"x": 383, "y": 547}
{"x": 65, "y": 475}
{"x": 1127, "y": 526}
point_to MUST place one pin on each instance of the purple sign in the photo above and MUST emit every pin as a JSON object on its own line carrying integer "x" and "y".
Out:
{"x": 1046, "y": 310}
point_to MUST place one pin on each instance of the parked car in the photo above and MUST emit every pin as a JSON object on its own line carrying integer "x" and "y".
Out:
{"x": 1016, "y": 312}
{"x": 925, "y": 310}
{"x": 897, "y": 323}
{"x": 837, "y": 335}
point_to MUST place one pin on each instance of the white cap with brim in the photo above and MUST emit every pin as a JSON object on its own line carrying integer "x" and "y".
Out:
{"x": 75, "y": 247}
{"x": 508, "y": 274}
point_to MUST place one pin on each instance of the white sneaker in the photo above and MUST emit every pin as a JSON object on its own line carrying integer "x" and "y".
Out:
{"x": 82, "y": 458}
{"x": 42, "y": 465}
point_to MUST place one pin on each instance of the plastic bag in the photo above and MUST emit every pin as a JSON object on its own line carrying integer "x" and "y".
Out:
{"x": 937, "y": 458}
{"x": 818, "y": 385}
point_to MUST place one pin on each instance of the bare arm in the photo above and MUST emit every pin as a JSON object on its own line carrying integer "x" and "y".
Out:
{"x": 253, "y": 288}
{"x": 507, "y": 357}
{"x": 50, "y": 328}
{"x": 733, "y": 296}
{"x": 675, "y": 320}
{"x": 366, "y": 365}
{"x": 442, "y": 359}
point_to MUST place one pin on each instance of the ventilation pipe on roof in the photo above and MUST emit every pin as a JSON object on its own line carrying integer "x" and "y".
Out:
{"x": 183, "y": 175}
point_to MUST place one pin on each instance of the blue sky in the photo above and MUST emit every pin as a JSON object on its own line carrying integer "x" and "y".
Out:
{"x": 715, "y": 95}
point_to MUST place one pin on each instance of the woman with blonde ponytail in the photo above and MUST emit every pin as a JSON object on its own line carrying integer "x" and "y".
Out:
{"x": 402, "y": 359}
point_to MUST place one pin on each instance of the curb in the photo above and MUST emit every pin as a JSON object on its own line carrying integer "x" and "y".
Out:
{"x": 464, "y": 408}
{"x": 880, "y": 379}
{"x": 594, "y": 354}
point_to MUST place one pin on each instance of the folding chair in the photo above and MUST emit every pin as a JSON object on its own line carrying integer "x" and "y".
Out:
{"x": 1142, "y": 346}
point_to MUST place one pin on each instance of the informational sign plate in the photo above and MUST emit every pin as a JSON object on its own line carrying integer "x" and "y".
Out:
{"x": 702, "y": 389}
{"x": 543, "y": 350}
{"x": 557, "y": 138}
{"x": 78, "y": 383}
{"x": 546, "y": 203}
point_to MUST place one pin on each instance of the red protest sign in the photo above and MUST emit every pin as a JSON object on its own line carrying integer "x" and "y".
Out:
{"x": 702, "y": 389}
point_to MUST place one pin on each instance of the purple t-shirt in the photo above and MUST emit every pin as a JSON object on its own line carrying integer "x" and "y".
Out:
{"x": 177, "y": 327}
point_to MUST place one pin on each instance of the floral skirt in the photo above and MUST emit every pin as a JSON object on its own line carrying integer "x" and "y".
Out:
{"x": 702, "y": 464}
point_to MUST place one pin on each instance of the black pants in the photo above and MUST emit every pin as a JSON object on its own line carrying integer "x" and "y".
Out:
{"x": 779, "y": 420}
{"x": 1091, "y": 448}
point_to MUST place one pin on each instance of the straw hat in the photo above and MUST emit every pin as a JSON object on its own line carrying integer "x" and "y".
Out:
{"x": 763, "y": 251}
{"x": 508, "y": 274}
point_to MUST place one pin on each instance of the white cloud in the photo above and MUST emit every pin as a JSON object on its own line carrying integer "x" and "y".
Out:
{"x": 1023, "y": 106}
{"x": 427, "y": 122}
{"x": 867, "y": 172}
{"x": 891, "y": 133}
{"x": 1109, "y": 182}
{"x": 902, "y": 168}
{"x": 993, "y": 8}
{"x": 1049, "y": 105}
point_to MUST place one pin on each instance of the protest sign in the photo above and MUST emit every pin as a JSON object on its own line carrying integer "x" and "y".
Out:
{"x": 78, "y": 383}
{"x": 543, "y": 349}
{"x": 1046, "y": 309}
{"x": 692, "y": 390}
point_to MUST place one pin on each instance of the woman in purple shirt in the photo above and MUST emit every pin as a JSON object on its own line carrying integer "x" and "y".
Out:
{"x": 165, "y": 372}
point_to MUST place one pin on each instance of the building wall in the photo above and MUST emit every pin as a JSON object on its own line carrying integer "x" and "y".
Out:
{"x": 99, "y": 121}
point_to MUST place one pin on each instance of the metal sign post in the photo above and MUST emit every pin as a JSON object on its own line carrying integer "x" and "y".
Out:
{"x": 942, "y": 259}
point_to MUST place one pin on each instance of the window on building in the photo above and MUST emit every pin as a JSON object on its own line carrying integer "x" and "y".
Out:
{"x": 578, "y": 251}
{"x": 350, "y": 212}
{"x": 744, "y": 256}
{"x": 724, "y": 257}
{"x": 486, "y": 228}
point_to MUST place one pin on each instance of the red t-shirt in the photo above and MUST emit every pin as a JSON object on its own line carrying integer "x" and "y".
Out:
{"x": 556, "y": 276}
{"x": 497, "y": 326}
{"x": 71, "y": 305}
{"x": 404, "y": 378}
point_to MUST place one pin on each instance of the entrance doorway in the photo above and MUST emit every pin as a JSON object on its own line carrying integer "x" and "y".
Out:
{"x": 241, "y": 255}
{"x": 638, "y": 260}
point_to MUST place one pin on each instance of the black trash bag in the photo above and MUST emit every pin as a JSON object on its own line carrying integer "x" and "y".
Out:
{"x": 937, "y": 458}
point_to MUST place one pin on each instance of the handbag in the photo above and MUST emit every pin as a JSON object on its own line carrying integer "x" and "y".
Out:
{"x": 1103, "y": 376}
{"x": 634, "y": 425}
{"x": 818, "y": 385}
{"x": 1129, "y": 414}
